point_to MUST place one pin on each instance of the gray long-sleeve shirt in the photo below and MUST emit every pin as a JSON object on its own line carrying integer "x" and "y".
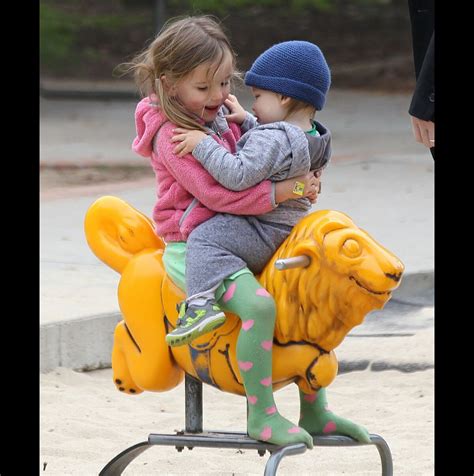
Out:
{"x": 274, "y": 151}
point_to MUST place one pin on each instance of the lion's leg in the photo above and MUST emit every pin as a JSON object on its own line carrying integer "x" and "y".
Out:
{"x": 142, "y": 337}
{"x": 121, "y": 374}
{"x": 317, "y": 419}
{"x": 136, "y": 369}
{"x": 256, "y": 308}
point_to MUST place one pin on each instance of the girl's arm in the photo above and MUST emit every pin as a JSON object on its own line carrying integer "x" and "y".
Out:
{"x": 256, "y": 200}
{"x": 199, "y": 183}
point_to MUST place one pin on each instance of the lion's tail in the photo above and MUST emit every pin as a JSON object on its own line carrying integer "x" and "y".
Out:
{"x": 115, "y": 231}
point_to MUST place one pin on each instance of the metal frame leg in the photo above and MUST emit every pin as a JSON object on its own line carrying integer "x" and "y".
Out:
{"x": 378, "y": 441}
{"x": 274, "y": 460}
{"x": 192, "y": 404}
{"x": 118, "y": 464}
{"x": 385, "y": 454}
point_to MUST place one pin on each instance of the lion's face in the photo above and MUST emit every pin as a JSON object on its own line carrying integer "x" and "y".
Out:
{"x": 350, "y": 275}
{"x": 362, "y": 264}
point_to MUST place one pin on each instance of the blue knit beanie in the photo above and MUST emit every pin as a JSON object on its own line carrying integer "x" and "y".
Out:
{"x": 296, "y": 69}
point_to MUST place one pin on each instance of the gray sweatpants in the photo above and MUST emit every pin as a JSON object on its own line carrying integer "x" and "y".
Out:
{"x": 228, "y": 243}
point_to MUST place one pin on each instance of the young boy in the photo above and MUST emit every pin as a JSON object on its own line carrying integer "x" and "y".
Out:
{"x": 289, "y": 82}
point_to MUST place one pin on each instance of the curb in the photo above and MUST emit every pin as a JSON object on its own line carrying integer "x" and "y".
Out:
{"x": 80, "y": 344}
{"x": 110, "y": 90}
{"x": 381, "y": 365}
{"x": 91, "y": 95}
{"x": 86, "y": 343}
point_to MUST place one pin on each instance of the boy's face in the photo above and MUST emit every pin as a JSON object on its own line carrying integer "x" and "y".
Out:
{"x": 268, "y": 106}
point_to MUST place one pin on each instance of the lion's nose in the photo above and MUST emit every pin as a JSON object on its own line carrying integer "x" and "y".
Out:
{"x": 397, "y": 272}
{"x": 395, "y": 277}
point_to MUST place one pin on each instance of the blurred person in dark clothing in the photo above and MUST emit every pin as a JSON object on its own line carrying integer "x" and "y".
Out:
{"x": 422, "y": 103}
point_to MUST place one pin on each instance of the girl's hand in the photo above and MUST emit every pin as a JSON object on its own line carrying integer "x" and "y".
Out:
{"x": 237, "y": 112}
{"x": 188, "y": 140}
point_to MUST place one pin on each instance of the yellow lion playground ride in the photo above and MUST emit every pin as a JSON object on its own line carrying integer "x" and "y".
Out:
{"x": 325, "y": 278}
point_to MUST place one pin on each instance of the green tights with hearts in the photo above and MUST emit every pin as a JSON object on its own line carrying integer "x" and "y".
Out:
{"x": 245, "y": 297}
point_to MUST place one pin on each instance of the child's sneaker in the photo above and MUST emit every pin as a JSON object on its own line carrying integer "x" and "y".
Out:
{"x": 195, "y": 321}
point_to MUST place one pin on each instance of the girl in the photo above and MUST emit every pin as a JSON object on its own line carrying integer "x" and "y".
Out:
{"x": 185, "y": 74}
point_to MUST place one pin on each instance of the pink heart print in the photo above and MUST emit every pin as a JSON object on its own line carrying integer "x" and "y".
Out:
{"x": 245, "y": 366}
{"x": 266, "y": 381}
{"x": 252, "y": 399}
{"x": 270, "y": 410}
{"x": 229, "y": 293}
{"x": 266, "y": 433}
{"x": 330, "y": 427}
{"x": 311, "y": 398}
{"x": 295, "y": 429}
{"x": 262, "y": 292}
{"x": 267, "y": 344}
{"x": 246, "y": 325}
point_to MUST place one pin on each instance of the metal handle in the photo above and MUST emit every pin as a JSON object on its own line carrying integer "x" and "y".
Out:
{"x": 295, "y": 262}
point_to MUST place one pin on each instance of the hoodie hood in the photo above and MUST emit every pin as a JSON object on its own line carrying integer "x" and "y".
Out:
{"x": 148, "y": 120}
{"x": 307, "y": 152}
{"x": 319, "y": 147}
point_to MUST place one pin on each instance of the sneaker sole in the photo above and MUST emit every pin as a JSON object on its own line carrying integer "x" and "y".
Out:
{"x": 204, "y": 327}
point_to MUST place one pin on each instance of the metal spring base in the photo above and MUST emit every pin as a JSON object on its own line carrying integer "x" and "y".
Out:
{"x": 240, "y": 440}
{"x": 193, "y": 436}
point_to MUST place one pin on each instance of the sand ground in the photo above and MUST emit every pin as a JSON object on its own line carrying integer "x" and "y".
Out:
{"x": 85, "y": 422}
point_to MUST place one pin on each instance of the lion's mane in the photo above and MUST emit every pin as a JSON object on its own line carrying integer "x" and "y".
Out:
{"x": 318, "y": 304}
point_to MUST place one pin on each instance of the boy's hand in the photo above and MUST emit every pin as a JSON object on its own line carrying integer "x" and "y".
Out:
{"x": 314, "y": 191}
{"x": 311, "y": 185}
{"x": 188, "y": 140}
{"x": 237, "y": 112}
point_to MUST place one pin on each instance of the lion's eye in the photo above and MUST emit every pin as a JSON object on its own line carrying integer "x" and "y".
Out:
{"x": 351, "y": 248}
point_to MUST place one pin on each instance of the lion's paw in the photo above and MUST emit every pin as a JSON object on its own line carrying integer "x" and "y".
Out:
{"x": 126, "y": 387}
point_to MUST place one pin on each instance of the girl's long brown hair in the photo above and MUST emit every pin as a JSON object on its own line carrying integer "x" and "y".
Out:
{"x": 183, "y": 44}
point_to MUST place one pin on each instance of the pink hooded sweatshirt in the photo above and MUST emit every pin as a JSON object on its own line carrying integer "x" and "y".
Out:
{"x": 187, "y": 194}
